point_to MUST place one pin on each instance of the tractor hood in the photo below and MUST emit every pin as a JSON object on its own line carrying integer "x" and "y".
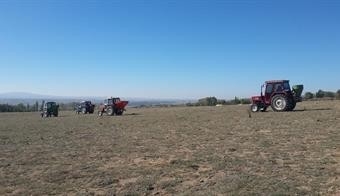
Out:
{"x": 256, "y": 98}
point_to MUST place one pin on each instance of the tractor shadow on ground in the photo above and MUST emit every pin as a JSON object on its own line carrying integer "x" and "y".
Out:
{"x": 311, "y": 109}
{"x": 132, "y": 114}
{"x": 60, "y": 116}
{"x": 298, "y": 110}
{"x": 305, "y": 110}
{"x": 52, "y": 117}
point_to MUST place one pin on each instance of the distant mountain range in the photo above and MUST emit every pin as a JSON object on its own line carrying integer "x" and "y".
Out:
{"x": 25, "y": 95}
{"x": 31, "y": 98}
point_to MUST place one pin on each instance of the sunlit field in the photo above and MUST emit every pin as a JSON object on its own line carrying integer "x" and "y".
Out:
{"x": 173, "y": 151}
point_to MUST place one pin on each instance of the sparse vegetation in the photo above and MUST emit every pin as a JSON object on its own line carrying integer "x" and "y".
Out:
{"x": 18, "y": 108}
{"x": 173, "y": 151}
{"x": 32, "y": 108}
{"x": 212, "y": 101}
{"x": 309, "y": 95}
{"x": 321, "y": 94}
{"x": 207, "y": 101}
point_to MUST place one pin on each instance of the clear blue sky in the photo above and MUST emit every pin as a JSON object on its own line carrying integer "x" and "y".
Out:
{"x": 167, "y": 49}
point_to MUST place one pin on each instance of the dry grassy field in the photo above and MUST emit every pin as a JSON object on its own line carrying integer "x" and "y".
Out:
{"x": 173, "y": 151}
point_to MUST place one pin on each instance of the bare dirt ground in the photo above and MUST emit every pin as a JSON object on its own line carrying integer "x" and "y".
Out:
{"x": 173, "y": 151}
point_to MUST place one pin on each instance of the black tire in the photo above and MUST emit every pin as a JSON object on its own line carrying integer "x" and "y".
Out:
{"x": 83, "y": 110}
{"x": 109, "y": 111}
{"x": 254, "y": 108}
{"x": 119, "y": 112}
{"x": 279, "y": 103}
{"x": 291, "y": 105}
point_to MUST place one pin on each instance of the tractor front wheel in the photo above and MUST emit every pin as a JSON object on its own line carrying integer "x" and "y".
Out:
{"x": 254, "y": 108}
{"x": 279, "y": 103}
{"x": 291, "y": 105}
{"x": 109, "y": 111}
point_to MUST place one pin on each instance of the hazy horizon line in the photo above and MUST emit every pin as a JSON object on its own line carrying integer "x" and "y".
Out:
{"x": 30, "y": 95}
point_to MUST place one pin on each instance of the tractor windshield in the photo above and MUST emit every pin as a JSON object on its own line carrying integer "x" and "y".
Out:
{"x": 50, "y": 104}
{"x": 286, "y": 86}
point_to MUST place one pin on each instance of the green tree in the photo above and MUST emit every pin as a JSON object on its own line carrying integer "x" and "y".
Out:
{"x": 20, "y": 108}
{"x": 329, "y": 94}
{"x": 6, "y": 108}
{"x": 245, "y": 101}
{"x": 309, "y": 95}
{"x": 320, "y": 94}
{"x": 237, "y": 100}
{"x": 208, "y": 101}
{"x": 221, "y": 101}
{"x": 337, "y": 94}
{"x": 36, "y": 106}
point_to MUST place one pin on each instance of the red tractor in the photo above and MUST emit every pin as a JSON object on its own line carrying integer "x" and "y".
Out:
{"x": 112, "y": 106}
{"x": 278, "y": 95}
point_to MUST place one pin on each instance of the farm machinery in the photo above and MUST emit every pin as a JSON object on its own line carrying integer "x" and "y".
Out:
{"x": 111, "y": 106}
{"x": 278, "y": 95}
{"x": 85, "y": 107}
{"x": 49, "y": 109}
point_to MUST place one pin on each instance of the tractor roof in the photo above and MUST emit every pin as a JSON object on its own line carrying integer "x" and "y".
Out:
{"x": 276, "y": 81}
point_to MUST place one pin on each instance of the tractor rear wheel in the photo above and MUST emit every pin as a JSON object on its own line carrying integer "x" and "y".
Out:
{"x": 279, "y": 103}
{"x": 254, "y": 108}
{"x": 119, "y": 112}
